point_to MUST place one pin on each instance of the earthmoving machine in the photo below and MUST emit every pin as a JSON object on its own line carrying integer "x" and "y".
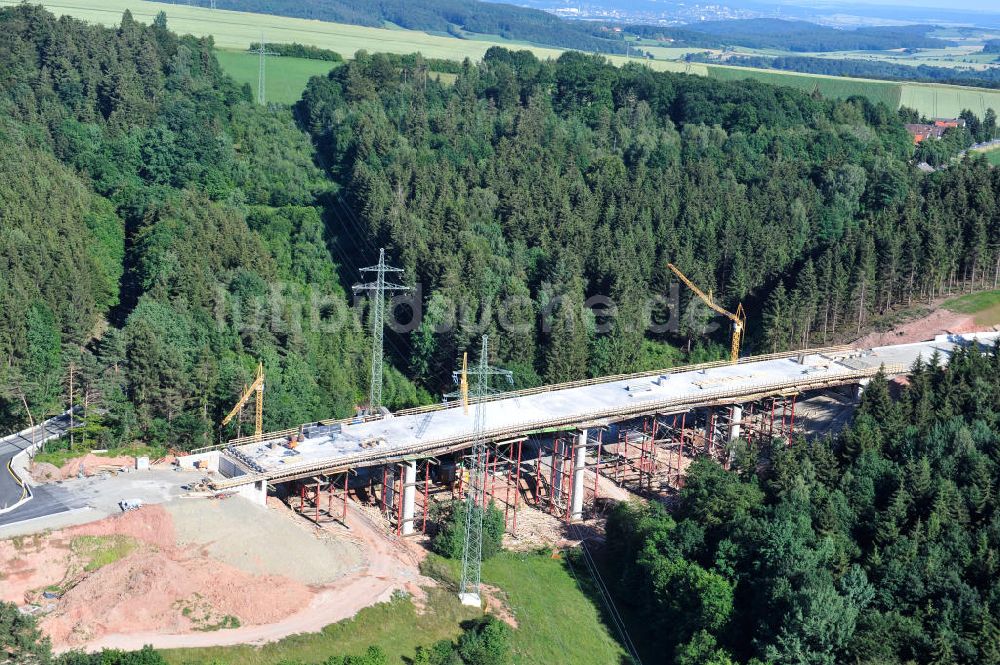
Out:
{"x": 739, "y": 319}
{"x": 255, "y": 389}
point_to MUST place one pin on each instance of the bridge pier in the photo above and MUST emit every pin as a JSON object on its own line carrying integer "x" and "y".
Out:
{"x": 409, "y": 496}
{"x": 255, "y": 492}
{"x": 735, "y": 429}
{"x": 579, "y": 466}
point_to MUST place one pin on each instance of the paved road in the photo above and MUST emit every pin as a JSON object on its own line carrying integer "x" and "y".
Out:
{"x": 57, "y": 505}
{"x": 10, "y": 488}
{"x": 47, "y": 501}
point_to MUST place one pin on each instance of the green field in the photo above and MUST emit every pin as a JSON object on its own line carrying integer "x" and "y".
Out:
{"x": 930, "y": 99}
{"x": 935, "y": 100}
{"x": 558, "y": 621}
{"x": 984, "y": 306}
{"x": 993, "y": 157}
{"x": 396, "y": 626}
{"x": 236, "y": 30}
{"x": 829, "y": 86}
{"x": 285, "y": 78}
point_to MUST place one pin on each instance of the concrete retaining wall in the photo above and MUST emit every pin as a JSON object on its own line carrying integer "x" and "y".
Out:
{"x": 210, "y": 458}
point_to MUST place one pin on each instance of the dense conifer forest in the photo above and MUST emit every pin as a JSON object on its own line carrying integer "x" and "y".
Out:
{"x": 161, "y": 232}
{"x": 879, "y": 546}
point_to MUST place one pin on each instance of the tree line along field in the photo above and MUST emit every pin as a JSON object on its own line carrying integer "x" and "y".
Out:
{"x": 236, "y": 30}
{"x": 286, "y": 77}
{"x": 829, "y": 86}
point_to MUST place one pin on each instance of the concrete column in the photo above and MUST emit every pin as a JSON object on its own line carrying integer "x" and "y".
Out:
{"x": 409, "y": 495}
{"x": 734, "y": 426}
{"x": 860, "y": 388}
{"x": 579, "y": 466}
{"x": 255, "y": 492}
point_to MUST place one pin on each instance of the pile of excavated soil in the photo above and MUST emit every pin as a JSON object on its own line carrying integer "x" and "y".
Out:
{"x": 165, "y": 590}
{"x": 150, "y": 524}
{"x": 161, "y": 586}
{"x": 91, "y": 465}
{"x": 29, "y": 563}
{"x": 261, "y": 540}
{"x": 44, "y": 472}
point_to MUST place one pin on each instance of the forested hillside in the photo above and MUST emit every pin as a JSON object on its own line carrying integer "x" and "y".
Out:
{"x": 799, "y": 36}
{"x": 573, "y": 179}
{"x": 880, "y": 546}
{"x": 144, "y": 199}
{"x": 161, "y": 232}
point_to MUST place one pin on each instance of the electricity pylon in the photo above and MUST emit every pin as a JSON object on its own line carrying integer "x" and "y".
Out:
{"x": 475, "y": 499}
{"x": 378, "y": 289}
{"x": 262, "y": 53}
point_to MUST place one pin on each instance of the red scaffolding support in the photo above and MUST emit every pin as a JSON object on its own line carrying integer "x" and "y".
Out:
{"x": 502, "y": 484}
{"x": 311, "y": 494}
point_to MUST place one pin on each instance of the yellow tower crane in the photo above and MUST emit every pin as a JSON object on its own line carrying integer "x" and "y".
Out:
{"x": 464, "y": 385}
{"x": 255, "y": 388}
{"x": 739, "y": 319}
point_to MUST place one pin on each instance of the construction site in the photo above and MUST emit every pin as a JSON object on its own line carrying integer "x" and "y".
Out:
{"x": 353, "y": 501}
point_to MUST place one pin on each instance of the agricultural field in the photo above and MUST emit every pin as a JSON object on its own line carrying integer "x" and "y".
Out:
{"x": 285, "y": 78}
{"x": 236, "y": 30}
{"x": 829, "y": 86}
{"x": 930, "y": 99}
{"x": 937, "y": 100}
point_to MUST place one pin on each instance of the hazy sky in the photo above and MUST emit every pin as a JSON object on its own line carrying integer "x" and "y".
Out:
{"x": 960, "y": 5}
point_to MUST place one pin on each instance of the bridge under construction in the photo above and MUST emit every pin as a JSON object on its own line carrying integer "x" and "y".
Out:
{"x": 639, "y": 428}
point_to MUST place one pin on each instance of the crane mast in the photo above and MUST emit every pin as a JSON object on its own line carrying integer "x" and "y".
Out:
{"x": 464, "y": 384}
{"x": 255, "y": 389}
{"x": 739, "y": 319}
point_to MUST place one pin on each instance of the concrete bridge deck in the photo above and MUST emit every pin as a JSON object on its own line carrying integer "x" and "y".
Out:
{"x": 426, "y": 432}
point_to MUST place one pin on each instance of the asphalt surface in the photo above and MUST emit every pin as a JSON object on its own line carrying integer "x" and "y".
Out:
{"x": 46, "y": 501}
{"x": 10, "y": 489}
{"x": 58, "y": 505}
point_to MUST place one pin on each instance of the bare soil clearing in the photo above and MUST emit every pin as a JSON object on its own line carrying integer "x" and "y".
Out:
{"x": 390, "y": 564}
{"x": 172, "y": 577}
{"x": 87, "y": 465}
{"x": 260, "y": 541}
{"x": 938, "y": 322}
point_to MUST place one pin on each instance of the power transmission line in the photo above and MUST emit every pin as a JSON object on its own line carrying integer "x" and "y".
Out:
{"x": 602, "y": 588}
{"x": 361, "y": 243}
{"x": 262, "y": 54}
{"x": 475, "y": 501}
{"x": 377, "y": 290}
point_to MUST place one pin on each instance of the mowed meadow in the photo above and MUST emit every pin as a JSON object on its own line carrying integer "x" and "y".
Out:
{"x": 235, "y": 31}
{"x": 285, "y": 78}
